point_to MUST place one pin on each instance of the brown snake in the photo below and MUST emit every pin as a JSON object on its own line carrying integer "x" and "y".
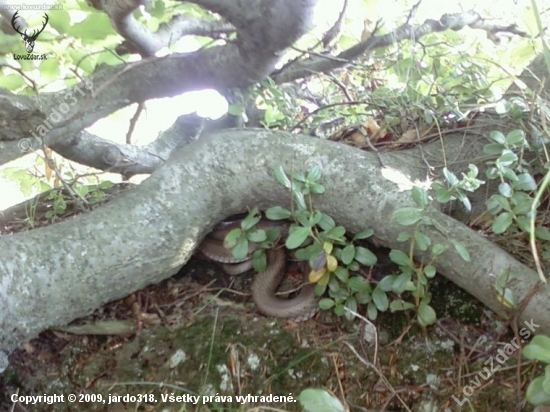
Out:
{"x": 264, "y": 286}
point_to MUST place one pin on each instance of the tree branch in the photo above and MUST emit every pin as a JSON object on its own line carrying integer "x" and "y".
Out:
{"x": 223, "y": 67}
{"x": 322, "y": 64}
{"x": 126, "y": 159}
{"x": 53, "y": 275}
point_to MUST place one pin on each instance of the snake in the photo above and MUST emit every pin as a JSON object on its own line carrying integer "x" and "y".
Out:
{"x": 264, "y": 286}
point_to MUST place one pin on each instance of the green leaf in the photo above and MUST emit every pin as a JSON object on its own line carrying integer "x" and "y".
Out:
{"x": 473, "y": 171}
{"x": 538, "y": 348}
{"x": 271, "y": 116}
{"x": 502, "y": 222}
{"x": 493, "y": 149}
{"x": 380, "y": 299}
{"x": 82, "y": 59}
{"x": 317, "y": 188}
{"x": 509, "y": 174}
{"x": 339, "y": 296}
{"x": 372, "y": 312}
{"x": 106, "y": 184}
{"x": 354, "y": 266}
{"x": 26, "y": 65}
{"x": 333, "y": 284}
{"x": 515, "y": 136}
{"x": 525, "y": 182}
{"x": 336, "y": 233}
{"x": 83, "y": 190}
{"x": 450, "y": 176}
{"x": 303, "y": 217}
{"x": 157, "y": 9}
{"x": 108, "y": 58}
{"x": 363, "y": 298}
{"x": 231, "y": 238}
{"x": 443, "y": 195}
{"x": 498, "y": 137}
{"x": 524, "y": 223}
{"x": 364, "y": 234}
{"x": 96, "y": 26}
{"x": 299, "y": 177}
{"x": 426, "y": 315}
{"x": 326, "y": 303}
{"x": 506, "y": 297}
{"x": 542, "y": 233}
{"x": 430, "y": 271}
{"x": 461, "y": 249}
{"x": 259, "y": 260}
{"x": 422, "y": 241}
{"x": 240, "y": 250}
{"x": 250, "y": 220}
{"x": 464, "y": 200}
{"x": 62, "y": 21}
{"x": 546, "y": 382}
{"x": 281, "y": 176}
{"x": 319, "y": 400}
{"x": 365, "y": 256}
{"x": 257, "y": 236}
{"x": 504, "y": 277}
{"x": 522, "y": 204}
{"x": 507, "y": 158}
{"x": 297, "y": 235}
{"x": 348, "y": 253}
{"x": 235, "y": 110}
{"x": 326, "y": 223}
{"x": 407, "y": 216}
{"x": 313, "y": 174}
{"x": 535, "y": 394}
{"x": 309, "y": 252}
{"x": 399, "y": 305}
{"x": 299, "y": 198}
{"x": 386, "y": 284}
{"x": 505, "y": 189}
{"x": 403, "y": 236}
{"x": 12, "y": 81}
{"x": 320, "y": 289}
{"x": 403, "y": 283}
{"x": 420, "y": 197}
{"x": 359, "y": 284}
{"x": 351, "y": 304}
{"x": 342, "y": 274}
{"x": 399, "y": 258}
{"x": 315, "y": 218}
{"x": 273, "y": 234}
{"x": 496, "y": 203}
{"x": 277, "y": 213}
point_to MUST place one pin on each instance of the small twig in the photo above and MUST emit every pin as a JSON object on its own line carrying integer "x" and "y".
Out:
{"x": 133, "y": 122}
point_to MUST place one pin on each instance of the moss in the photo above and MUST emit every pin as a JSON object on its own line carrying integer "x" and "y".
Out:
{"x": 451, "y": 302}
{"x": 235, "y": 355}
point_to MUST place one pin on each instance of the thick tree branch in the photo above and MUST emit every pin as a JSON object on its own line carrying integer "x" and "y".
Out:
{"x": 168, "y": 33}
{"x": 52, "y": 275}
{"x": 128, "y": 160}
{"x": 140, "y": 40}
{"x": 223, "y": 67}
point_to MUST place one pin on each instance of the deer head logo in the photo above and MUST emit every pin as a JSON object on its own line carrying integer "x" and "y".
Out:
{"x": 28, "y": 39}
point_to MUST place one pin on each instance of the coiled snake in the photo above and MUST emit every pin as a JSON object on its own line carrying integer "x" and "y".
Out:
{"x": 300, "y": 308}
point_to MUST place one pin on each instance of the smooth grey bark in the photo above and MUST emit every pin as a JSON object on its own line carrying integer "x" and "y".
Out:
{"x": 54, "y": 117}
{"x": 53, "y": 275}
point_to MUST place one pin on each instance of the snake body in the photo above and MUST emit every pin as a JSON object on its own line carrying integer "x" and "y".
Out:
{"x": 265, "y": 284}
